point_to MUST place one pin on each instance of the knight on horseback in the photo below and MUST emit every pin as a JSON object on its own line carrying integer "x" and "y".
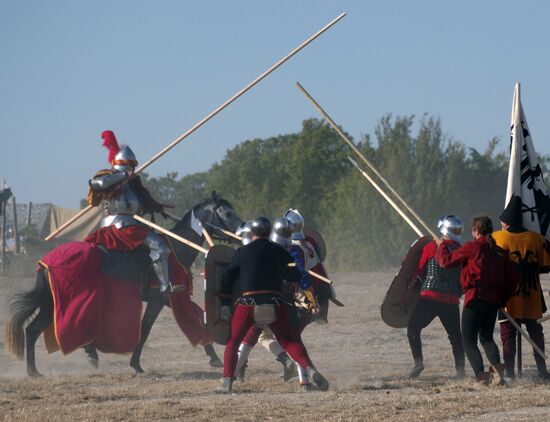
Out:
{"x": 122, "y": 195}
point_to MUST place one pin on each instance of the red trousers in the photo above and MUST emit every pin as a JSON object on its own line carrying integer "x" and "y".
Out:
{"x": 288, "y": 337}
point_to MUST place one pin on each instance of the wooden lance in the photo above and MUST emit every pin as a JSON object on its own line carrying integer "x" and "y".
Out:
{"x": 545, "y": 318}
{"x": 209, "y": 116}
{"x": 367, "y": 162}
{"x": 172, "y": 235}
{"x": 387, "y": 198}
{"x": 206, "y": 235}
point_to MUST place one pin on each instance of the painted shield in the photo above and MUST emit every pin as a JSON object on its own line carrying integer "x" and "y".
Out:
{"x": 403, "y": 293}
{"x": 315, "y": 238}
{"x": 217, "y": 259}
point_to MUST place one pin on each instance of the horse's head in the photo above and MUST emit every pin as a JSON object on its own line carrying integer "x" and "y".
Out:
{"x": 217, "y": 213}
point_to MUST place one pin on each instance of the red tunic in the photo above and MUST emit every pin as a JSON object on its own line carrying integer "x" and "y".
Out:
{"x": 122, "y": 240}
{"x": 485, "y": 275}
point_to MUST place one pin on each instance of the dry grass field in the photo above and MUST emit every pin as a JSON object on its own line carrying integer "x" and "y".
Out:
{"x": 365, "y": 361}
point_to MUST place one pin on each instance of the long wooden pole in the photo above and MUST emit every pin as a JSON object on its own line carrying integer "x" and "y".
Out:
{"x": 169, "y": 233}
{"x": 206, "y": 235}
{"x": 367, "y": 162}
{"x": 15, "y": 228}
{"x": 212, "y": 114}
{"x": 68, "y": 222}
{"x": 29, "y": 213}
{"x": 387, "y": 198}
{"x": 227, "y": 232}
{"x": 544, "y": 318}
{"x": 3, "y": 240}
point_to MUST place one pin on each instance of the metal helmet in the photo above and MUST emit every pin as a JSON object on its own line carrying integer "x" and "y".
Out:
{"x": 125, "y": 159}
{"x": 297, "y": 223}
{"x": 244, "y": 231}
{"x": 451, "y": 226}
{"x": 281, "y": 232}
{"x": 260, "y": 227}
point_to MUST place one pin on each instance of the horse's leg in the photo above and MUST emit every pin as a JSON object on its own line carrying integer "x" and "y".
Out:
{"x": 215, "y": 361}
{"x": 32, "y": 332}
{"x": 91, "y": 355}
{"x": 152, "y": 311}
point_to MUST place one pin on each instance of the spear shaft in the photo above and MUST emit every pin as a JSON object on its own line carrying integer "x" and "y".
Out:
{"x": 367, "y": 162}
{"x": 210, "y": 115}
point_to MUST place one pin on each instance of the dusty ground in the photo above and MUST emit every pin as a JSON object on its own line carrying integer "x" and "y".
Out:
{"x": 365, "y": 361}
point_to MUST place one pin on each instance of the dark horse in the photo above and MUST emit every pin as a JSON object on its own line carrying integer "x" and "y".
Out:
{"x": 214, "y": 212}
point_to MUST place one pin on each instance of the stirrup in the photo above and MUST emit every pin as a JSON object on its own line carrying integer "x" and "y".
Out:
{"x": 177, "y": 288}
{"x": 172, "y": 289}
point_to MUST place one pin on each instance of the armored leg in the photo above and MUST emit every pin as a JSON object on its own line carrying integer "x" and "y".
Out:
{"x": 243, "y": 353}
{"x": 159, "y": 253}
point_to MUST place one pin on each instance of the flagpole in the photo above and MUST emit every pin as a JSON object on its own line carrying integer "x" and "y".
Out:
{"x": 213, "y": 113}
{"x": 367, "y": 162}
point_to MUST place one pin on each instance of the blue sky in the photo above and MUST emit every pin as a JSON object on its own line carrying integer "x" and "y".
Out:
{"x": 149, "y": 70}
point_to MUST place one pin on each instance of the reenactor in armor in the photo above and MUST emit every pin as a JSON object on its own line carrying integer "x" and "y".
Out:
{"x": 244, "y": 232}
{"x": 301, "y": 314}
{"x": 122, "y": 195}
{"x": 305, "y": 255}
{"x": 259, "y": 268}
{"x": 439, "y": 297}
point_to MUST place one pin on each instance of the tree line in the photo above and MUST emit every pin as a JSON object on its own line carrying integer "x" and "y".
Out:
{"x": 309, "y": 171}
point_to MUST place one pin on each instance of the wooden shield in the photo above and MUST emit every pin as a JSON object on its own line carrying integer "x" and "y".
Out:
{"x": 402, "y": 295}
{"x": 315, "y": 238}
{"x": 217, "y": 259}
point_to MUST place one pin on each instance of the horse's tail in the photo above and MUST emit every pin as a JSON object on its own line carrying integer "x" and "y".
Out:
{"x": 21, "y": 307}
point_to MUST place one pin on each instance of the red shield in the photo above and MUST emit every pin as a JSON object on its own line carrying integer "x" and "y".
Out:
{"x": 315, "y": 238}
{"x": 403, "y": 293}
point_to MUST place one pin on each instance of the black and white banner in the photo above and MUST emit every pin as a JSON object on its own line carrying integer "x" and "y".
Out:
{"x": 525, "y": 177}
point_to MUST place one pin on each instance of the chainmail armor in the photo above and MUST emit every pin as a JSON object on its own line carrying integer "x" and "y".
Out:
{"x": 445, "y": 280}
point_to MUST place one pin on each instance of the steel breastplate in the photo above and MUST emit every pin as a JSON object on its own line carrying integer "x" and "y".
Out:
{"x": 120, "y": 208}
{"x": 444, "y": 280}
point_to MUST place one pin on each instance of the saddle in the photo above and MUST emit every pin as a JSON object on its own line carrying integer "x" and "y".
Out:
{"x": 134, "y": 266}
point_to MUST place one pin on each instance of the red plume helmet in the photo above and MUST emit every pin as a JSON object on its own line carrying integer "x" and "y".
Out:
{"x": 110, "y": 142}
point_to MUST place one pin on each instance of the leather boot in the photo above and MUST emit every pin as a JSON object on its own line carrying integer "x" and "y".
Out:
{"x": 225, "y": 387}
{"x": 483, "y": 378}
{"x": 497, "y": 371}
{"x": 289, "y": 368}
{"x": 319, "y": 380}
{"x": 542, "y": 372}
